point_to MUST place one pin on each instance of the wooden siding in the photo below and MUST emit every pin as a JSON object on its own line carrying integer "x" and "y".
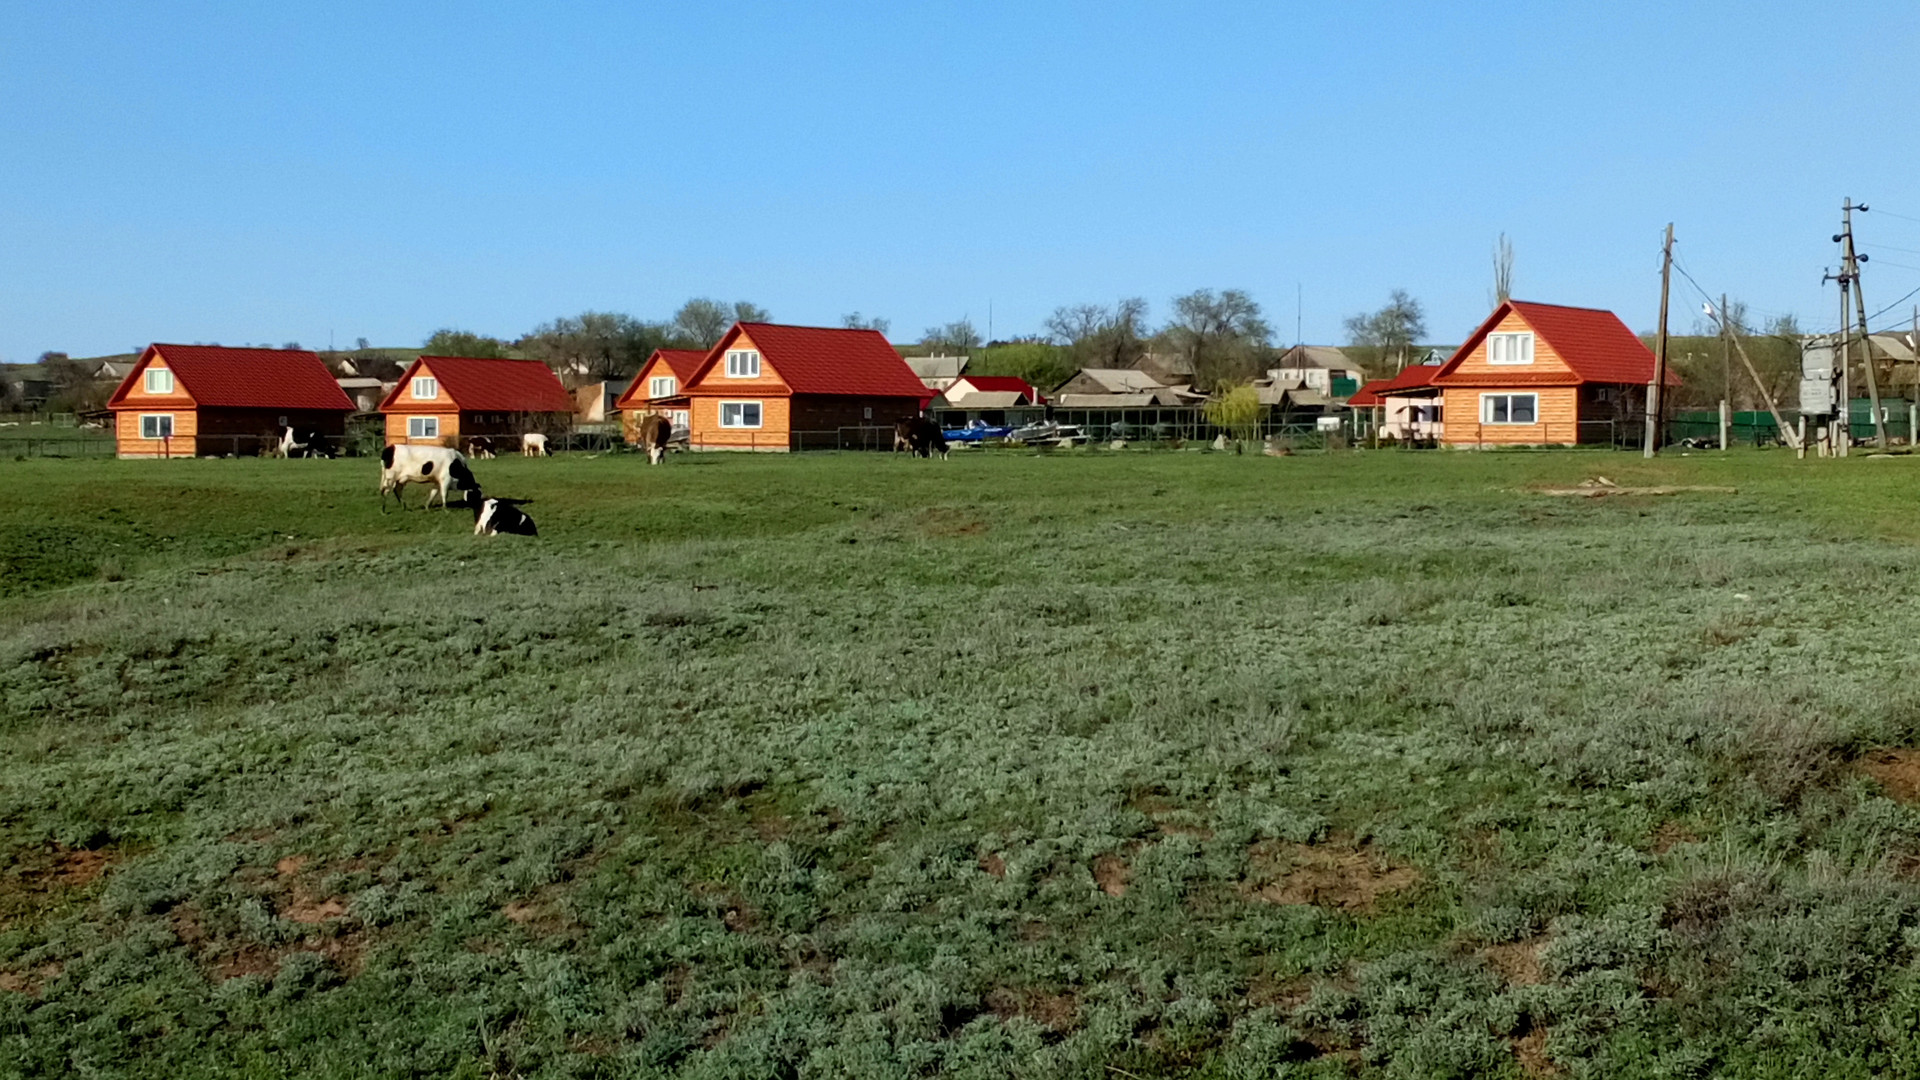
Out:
{"x": 449, "y": 429}
{"x": 137, "y": 396}
{"x": 774, "y": 433}
{"x": 1546, "y": 362}
{"x": 404, "y": 399}
{"x": 129, "y": 444}
{"x": 1558, "y": 418}
{"x": 715, "y": 381}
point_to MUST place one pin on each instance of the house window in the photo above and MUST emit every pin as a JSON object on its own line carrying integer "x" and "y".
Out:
{"x": 867, "y": 413}
{"x": 159, "y": 381}
{"x": 661, "y": 386}
{"x": 423, "y": 427}
{"x": 1509, "y": 408}
{"x": 743, "y": 364}
{"x": 426, "y": 388}
{"x": 679, "y": 419}
{"x": 1510, "y": 348}
{"x": 156, "y": 426}
{"x": 739, "y": 414}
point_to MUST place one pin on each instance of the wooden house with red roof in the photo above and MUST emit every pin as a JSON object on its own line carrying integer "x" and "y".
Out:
{"x": 1546, "y": 375}
{"x": 205, "y": 400}
{"x": 446, "y": 400}
{"x": 1406, "y": 408}
{"x": 657, "y": 390}
{"x": 765, "y": 386}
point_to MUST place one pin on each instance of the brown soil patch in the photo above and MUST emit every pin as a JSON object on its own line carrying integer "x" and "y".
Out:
{"x": 1600, "y": 486}
{"x": 290, "y": 865}
{"x": 993, "y": 864}
{"x": 1337, "y": 874}
{"x": 305, "y": 909}
{"x": 1055, "y": 1012}
{"x": 1531, "y": 1052}
{"x": 1897, "y": 771}
{"x": 1670, "y": 835}
{"x": 227, "y": 959}
{"x": 1111, "y": 873}
{"x": 940, "y": 522}
{"x": 1517, "y": 962}
{"x": 29, "y": 982}
{"x": 522, "y": 913}
{"x": 1285, "y": 995}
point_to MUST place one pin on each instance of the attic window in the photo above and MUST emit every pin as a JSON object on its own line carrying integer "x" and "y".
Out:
{"x": 1510, "y": 348}
{"x": 426, "y": 388}
{"x": 661, "y": 386}
{"x": 159, "y": 381}
{"x": 743, "y": 364}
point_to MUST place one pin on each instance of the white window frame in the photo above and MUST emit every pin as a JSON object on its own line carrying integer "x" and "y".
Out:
{"x": 759, "y": 415}
{"x": 1510, "y": 349}
{"x": 680, "y": 419}
{"x": 743, "y": 363}
{"x": 425, "y": 388}
{"x": 662, "y": 386}
{"x": 1487, "y": 410}
{"x": 151, "y": 423}
{"x": 423, "y": 427}
{"x": 156, "y": 377}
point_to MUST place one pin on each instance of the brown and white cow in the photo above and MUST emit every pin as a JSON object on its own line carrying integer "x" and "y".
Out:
{"x": 655, "y": 432}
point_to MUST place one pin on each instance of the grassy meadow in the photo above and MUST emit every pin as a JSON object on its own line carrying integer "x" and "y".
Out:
{"x": 1086, "y": 764}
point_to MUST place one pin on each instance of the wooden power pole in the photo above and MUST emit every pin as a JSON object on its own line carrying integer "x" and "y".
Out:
{"x": 1659, "y": 382}
{"x": 1726, "y": 377}
{"x": 1851, "y": 269}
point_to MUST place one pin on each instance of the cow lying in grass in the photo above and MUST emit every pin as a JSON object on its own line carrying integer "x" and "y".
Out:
{"x": 655, "y": 432}
{"x": 439, "y": 467}
{"x": 492, "y": 517}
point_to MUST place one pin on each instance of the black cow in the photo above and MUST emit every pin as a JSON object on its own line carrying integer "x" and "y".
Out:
{"x": 922, "y": 437}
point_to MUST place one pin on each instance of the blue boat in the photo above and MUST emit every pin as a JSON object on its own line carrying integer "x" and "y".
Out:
{"x": 977, "y": 431}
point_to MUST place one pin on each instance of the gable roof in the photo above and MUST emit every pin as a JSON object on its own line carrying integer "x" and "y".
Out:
{"x": 1119, "y": 380}
{"x": 998, "y": 384}
{"x": 491, "y": 384}
{"x": 824, "y": 360}
{"x": 683, "y": 363}
{"x": 220, "y": 377}
{"x": 937, "y": 367}
{"x": 1595, "y": 345}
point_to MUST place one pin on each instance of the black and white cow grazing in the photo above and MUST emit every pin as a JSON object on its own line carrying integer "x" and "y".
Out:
{"x": 301, "y": 442}
{"x": 480, "y": 447}
{"x": 438, "y": 467}
{"x": 492, "y": 517}
{"x": 923, "y": 437}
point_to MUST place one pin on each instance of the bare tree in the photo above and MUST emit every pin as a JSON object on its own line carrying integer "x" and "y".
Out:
{"x": 854, "y": 321}
{"x": 1223, "y": 334}
{"x": 747, "y": 311}
{"x": 1390, "y": 333}
{"x": 700, "y": 321}
{"x": 955, "y": 337}
{"x": 1502, "y": 271}
{"x": 594, "y": 345}
{"x": 1100, "y": 336}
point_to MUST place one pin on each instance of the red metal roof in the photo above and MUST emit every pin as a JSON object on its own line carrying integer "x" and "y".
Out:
{"x": 220, "y": 377}
{"x": 488, "y": 385}
{"x": 823, "y": 360}
{"x": 684, "y": 363}
{"x": 1594, "y": 343}
{"x": 1368, "y": 396}
{"x": 1012, "y": 384}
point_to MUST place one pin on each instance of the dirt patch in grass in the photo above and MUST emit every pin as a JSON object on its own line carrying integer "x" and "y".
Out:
{"x": 1896, "y": 771}
{"x": 1111, "y": 873}
{"x": 1670, "y": 835}
{"x": 43, "y": 878}
{"x": 301, "y": 905}
{"x": 1053, "y": 1011}
{"x": 943, "y": 521}
{"x": 1285, "y": 995}
{"x": 227, "y": 959}
{"x": 1530, "y": 1051}
{"x": 994, "y": 864}
{"x": 1337, "y": 874}
{"x": 29, "y": 982}
{"x": 1516, "y": 962}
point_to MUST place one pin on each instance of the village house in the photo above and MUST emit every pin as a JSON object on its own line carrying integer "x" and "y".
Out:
{"x": 994, "y": 400}
{"x": 207, "y": 400}
{"x": 1319, "y": 367}
{"x": 1405, "y": 408}
{"x": 1545, "y": 375}
{"x": 765, "y": 386}
{"x": 937, "y": 372}
{"x": 657, "y": 389}
{"x": 1119, "y": 388}
{"x": 597, "y": 401}
{"x": 447, "y": 400}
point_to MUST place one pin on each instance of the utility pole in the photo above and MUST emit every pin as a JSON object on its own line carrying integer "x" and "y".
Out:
{"x": 1726, "y": 376}
{"x": 1660, "y": 351}
{"x": 1852, "y": 270}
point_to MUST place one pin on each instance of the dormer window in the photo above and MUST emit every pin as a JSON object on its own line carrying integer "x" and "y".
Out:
{"x": 661, "y": 386}
{"x": 1510, "y": 348}
{"x": 743, "y": 364}
{"x": 159, "y": 381}
{"x": 426, "y": 388}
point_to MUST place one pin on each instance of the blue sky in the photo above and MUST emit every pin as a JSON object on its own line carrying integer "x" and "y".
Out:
{"x": 246, "y": 172}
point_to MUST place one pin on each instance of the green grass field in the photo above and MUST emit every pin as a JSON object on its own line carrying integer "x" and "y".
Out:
{"x": 1084, "y": 765}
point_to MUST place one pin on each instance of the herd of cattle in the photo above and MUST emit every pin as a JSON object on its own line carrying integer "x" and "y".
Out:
{"x": 441, "y": 468}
